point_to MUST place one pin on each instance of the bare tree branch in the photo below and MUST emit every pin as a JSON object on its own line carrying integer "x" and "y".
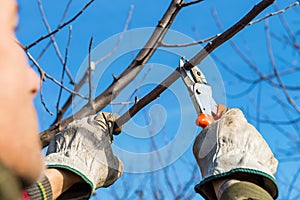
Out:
{"x": 191, "y": 3}
{"x": 275, "y": 13}
{"x": 143, "y": 56}
{"x": 293, "y": 182}
{"x": 64, "y": 69}
{"x": 127, "y": 76}
{"x": 42, "y": 98}
{"x": 85, "y": 76}
{"x": 60, "y": 27}
{"x": 119, "y": 39}
{"x": 90, "y": 70}
{"x": 211, "y": 46}
{"x": 57, "y": 51}
{"x": 44, "y": 75}
{"x": 50, "y": 42}
{"x": 190, "y": 44}
{"x": 290, "y": 32}
{"x": 250, "y": 23}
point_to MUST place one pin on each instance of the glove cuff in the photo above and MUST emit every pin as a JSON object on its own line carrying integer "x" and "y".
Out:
{"x": 262, "y": 179}
{"x": 40, "y": 190}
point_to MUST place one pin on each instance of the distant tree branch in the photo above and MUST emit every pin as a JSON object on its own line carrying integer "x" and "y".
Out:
{"x": 288, "y": 97}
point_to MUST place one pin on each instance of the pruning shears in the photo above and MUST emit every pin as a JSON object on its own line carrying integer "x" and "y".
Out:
{"x": 200, "y": 92}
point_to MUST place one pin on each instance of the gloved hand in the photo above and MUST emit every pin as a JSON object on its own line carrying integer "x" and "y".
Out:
{"x": 231, "y": 148}
{"x": 84, "y": 147}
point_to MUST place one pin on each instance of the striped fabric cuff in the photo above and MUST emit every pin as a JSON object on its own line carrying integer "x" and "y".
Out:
{"x": 40, "y": 190}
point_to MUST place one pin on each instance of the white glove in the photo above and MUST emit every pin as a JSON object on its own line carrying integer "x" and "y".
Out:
{"x": 231, "y": 148}
{"x": 84, "y": 147}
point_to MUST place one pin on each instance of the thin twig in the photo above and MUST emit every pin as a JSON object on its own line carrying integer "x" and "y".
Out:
{"x": 197, "y": 59}
{"x": 125, "y": 77}
{"x": 189, "y": 44}
{"x": 57, "y": 51}
{"x": 290, "y": 32}
{"x": 61, "y": 21}
{"x": 40, "y": 70}
{"x": 190, "y": 3}
{"x": 121, "y": 103}
{"x": 44, "y": 75}
{"x": 65, "y": 13}
{"x": 137, "y": 88}
{"x": 250, "y": 23}
{"x": 288, "y": 97}
{"x": 119, "y": 39}
{"x": 60, "y": 27}
{"x": 293, "y": 182}
{"x": 159, "y": 157}
{"x": 64, "y": 69}
{"x": 275, "y": 13}
{"x": 84, "y": 77}
{"x": 90, "y": 70}
{"x": 42, "y": 99}
{"x": 137, "y": 64}
{"x": 245, "y": 58}
{"x": 288, "y": 111}
{"x": 43, "y": 51}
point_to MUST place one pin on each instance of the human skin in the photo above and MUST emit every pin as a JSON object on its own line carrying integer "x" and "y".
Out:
{"x": 61, "y": 180}
{"x": 20, "y": 149}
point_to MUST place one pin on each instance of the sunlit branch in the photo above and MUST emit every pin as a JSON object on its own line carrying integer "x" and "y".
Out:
{"x": 44, "y": 75}
{"x": 80, "y": 83}
{"x": 60, "y": 27}
{"x": 42, "y": 99}
{"x": 144, "y": 55}
{"x": 126, "y": 76}
{"x": 189, "y": 44}
{"x": 119, "y": 39}
{"x": 275, "y": 13}
{"x": 250, "y": 23}
{"x": 52, "y": 38}
{"x": 211, "y": 46}
{"x": 90, "y": 70}
{"x": 63, "y": 70}
{"x": 190, "y": 3}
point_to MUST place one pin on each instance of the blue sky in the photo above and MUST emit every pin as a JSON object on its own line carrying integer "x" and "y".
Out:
{"x": 104, "y": 19}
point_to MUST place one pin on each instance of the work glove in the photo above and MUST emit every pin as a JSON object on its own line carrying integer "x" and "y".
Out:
{"x": 84, "y": 148}
{"x": 231, "y": 148}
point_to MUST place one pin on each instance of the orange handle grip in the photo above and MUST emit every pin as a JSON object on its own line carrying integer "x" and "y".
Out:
{"x": 204, "y": 120}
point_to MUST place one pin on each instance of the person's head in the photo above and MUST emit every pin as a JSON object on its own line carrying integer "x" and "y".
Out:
{"x": 20, "y": 149}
